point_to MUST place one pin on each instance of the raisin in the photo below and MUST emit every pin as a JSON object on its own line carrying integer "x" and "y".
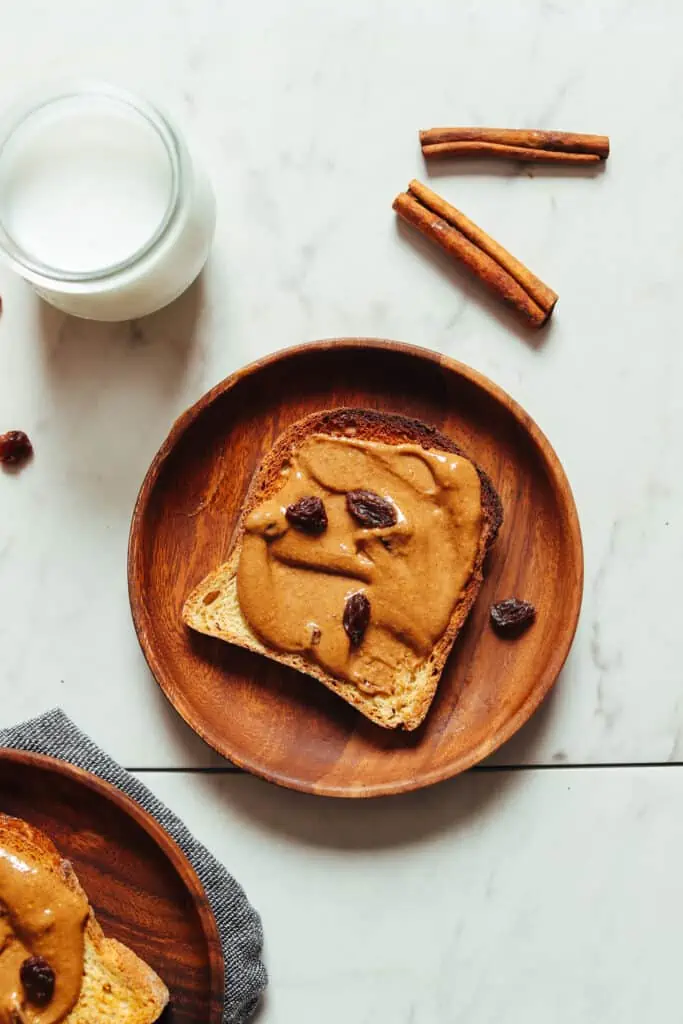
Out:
{"x": 307, "y": 515}
{"x": 356, "y": 616}
{"x": 512, "y": 616}
{"x": 38, "y": 979}
{"x": 15, "y": 447}
{"x": 369, "y": 509}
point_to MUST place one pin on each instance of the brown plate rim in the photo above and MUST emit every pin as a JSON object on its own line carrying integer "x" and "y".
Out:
{"x": 162, "y": 840}
{"x": 143, "y": 624}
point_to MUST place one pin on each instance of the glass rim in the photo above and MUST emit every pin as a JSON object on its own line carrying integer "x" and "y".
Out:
{"x": 19, "y": 115}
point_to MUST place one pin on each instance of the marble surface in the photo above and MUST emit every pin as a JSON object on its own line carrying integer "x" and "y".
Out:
{"x": 498, "y": 898}
{"x": 544, "y": 893}
{"x": 306, "y": 115}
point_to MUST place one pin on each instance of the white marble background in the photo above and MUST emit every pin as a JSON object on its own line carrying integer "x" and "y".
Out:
{"x": 520, "y": 896}
{"x": 502, "y": 897}
{"x": 306, "y": 114}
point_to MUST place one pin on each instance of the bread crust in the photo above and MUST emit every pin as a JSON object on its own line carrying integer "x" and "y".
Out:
{"x": 364, "y": 425}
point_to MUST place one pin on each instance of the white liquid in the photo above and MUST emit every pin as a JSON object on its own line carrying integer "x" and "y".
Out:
{"x": 82, "y": 188}
{"x": 87, "y": 187}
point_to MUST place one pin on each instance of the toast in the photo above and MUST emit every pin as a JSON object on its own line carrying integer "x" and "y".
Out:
{"x": 116, "y": 985}
{"x": 213, "y": 607}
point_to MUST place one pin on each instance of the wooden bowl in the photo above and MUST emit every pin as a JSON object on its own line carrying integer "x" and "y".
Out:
{"x": 144, "y": 891}
{"x": 285, "y": 726}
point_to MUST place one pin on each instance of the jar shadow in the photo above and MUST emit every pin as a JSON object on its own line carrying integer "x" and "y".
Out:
{"x": 112, "y": 391}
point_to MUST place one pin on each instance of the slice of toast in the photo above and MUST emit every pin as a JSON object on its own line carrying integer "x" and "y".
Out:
{"x": 221, "y": 616}
{"x": 117, "y": 985}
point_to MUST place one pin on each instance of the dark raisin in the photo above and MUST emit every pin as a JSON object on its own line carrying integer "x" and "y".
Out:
{"x": 356, "y": 616}
{"x": 512, "y": 616}
{"x": 15, "y": 447}
{"x": 369, "y": 509}
{"x": 307, "y": 515}
{"x": 38, "y": 980}
{"x": 315, "y": 635}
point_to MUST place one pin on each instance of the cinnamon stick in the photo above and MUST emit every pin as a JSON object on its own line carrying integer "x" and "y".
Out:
{"x": 515, "y": 144}
{"x": 487, "y": 259}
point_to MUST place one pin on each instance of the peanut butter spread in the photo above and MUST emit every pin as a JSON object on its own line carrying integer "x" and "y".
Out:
{"x": 40, "y": 915}
{"x": 293, "y": 585}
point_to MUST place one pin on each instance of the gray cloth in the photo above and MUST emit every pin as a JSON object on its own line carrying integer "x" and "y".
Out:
{"x": 238, "y": 923}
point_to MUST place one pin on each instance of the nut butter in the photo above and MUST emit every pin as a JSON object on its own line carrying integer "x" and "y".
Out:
{"x": 42, "y": 914}
{"x": 293, "y": 584}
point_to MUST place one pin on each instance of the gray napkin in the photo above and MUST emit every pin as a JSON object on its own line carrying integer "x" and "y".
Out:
{"x": 239, "y": 925}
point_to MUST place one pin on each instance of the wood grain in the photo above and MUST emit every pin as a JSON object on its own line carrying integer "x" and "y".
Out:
{"x": 282, "y": 725}
{"x": 144, "y": 891}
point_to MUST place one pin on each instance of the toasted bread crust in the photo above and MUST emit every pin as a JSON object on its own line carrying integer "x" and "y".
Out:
{"x": 370, "y": 425}
{"x": 366, "y": 425}
{"x": 26, "y": 840}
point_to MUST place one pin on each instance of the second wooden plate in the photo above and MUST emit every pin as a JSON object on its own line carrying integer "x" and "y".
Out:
{"x": 285, "y": 726}
{"x": 144, "y": 891}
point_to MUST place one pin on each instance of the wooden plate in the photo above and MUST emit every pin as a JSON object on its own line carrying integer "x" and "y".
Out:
{"x": 144, "y": 891}
{"x": 285, "y": 726}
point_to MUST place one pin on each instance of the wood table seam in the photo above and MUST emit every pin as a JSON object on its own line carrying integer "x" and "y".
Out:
{"x": 476, "y": 769}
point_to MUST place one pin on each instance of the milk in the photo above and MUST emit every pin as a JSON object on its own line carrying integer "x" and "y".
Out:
{"x": 100, "y": 205}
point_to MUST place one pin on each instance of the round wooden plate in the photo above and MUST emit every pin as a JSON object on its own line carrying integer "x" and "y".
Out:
{"x": 143, "y": 890}
{"x": 285, "y": 726}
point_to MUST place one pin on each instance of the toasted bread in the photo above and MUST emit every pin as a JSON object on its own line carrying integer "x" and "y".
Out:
{"x": 222, "y": 617}
{"x": 117, "y": 986}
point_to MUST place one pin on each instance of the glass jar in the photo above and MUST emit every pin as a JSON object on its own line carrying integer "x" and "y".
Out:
{"x": 102, "y": 209}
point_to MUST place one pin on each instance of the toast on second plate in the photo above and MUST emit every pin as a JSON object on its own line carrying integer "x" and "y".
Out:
{"x": 356, "y": 560}
{"x": 55, "y": 962}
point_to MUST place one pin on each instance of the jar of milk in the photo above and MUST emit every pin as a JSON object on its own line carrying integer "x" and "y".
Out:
{"x": 102, "y": 208}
